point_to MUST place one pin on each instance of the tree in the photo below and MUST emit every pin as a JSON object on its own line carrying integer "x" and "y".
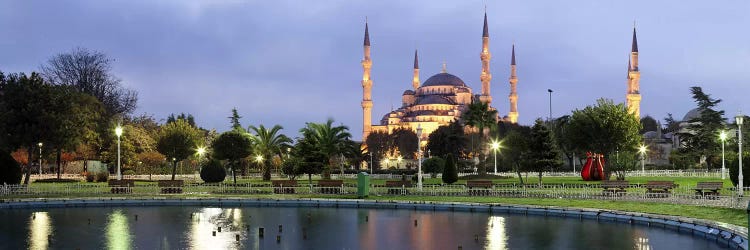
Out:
{"x": 232, "y": 146}
{"x": 515, "y": 151}
{"x": 268, "y": 143}
{"x": 235, "y": 120}
{"x": 90, "y": 72}
{"x": 10, "y": 172}
{"x": 312, "y": 159}
{"x": 450, "y": 172}
{"x": 213, "y": 172}
{"x": 624, "y": 161}
{"x": 671, "y": 124}
{"x": 480, "y": 116}
{"x": 406, "y": 141}
{"x": 648, "y": 123}
{"x": 542, "y": 151}
{"x": 292, "y": 167}
{"x": 559, "y": 128}
{"x": 446, "y": 140}
{"x": 182, "y": 116}
{"x": 604, "y": 128}
{"x": 177, "y": 141}
{"x": 378, "y": 144}
{"x": 330, "y": 140}
{"x": 701, "y": 135}
{"x": 24, "y": 109}
{"x": 433, "y": 165}
{"x": 149, "y": 160}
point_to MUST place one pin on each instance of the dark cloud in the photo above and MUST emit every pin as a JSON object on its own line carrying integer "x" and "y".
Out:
{"x": 290, "y": 62}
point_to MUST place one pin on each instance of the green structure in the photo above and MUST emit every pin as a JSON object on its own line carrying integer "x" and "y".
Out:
{"x": 363, "y": 185}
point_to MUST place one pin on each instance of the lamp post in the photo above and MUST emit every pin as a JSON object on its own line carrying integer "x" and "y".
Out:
{"x": 371, "y": 166}
{"x": 738, "y": 119}
{"x": 419, "y": 157}
{"x": 723, "y": 137}
{"x": 495, "y": 146}
{"x": 550, "y": 104}
{"x": 118, "y": 132}
{"x": 40, "y": 158}
{"x": 642, "y": 149}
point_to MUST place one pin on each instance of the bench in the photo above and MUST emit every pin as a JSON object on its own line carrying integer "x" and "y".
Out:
{"x": 330, "y": 186}
{"x": 611, "y": 188}
{"x": 121, "y": 186}
{"x": 283, "y": 186}
{"x": 659, "y": 188}
{"x": 171, "y": 186}
{"x": 397, "y": 187}
{"x": 484, "y": 186}
{"x": 710, "y": 188}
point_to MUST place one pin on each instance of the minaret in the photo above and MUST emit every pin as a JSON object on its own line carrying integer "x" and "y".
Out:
{"x": 634, "y": 76}
{"x": 485, "y": 56}
{"x": 415, "y": 79}
{"x": 366, "y": 88}
{"x": 513, "y": 97}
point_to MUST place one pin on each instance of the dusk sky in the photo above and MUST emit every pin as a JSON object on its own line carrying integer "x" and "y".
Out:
{"x": 291, "y": 62}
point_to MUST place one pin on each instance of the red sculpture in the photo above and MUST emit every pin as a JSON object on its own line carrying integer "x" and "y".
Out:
{"x": 593, "y": 170}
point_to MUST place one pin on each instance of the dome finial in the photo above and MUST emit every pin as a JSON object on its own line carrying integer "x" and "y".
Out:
{"x": 445, "y": 68}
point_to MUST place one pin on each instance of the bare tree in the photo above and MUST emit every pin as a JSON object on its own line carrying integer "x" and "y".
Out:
{"x": 89, "y": 71}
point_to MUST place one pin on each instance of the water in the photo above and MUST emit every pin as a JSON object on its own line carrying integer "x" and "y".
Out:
{"x": 326, "y": 228}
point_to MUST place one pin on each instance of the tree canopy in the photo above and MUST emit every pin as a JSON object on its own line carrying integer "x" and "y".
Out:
{"x": 232, "y": 146}
{"x": 177, "y": 141}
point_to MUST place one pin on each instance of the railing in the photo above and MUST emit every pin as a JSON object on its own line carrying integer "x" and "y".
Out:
{"x": 635, "y": 193}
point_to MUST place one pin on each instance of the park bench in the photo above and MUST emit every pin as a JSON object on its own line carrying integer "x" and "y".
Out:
{"x": 330, "y": 186}
{"x": 710, "y": 188}
{"x": 171, "y": 186}
{"x": 121, "y": 186}
{"x": 283, "y": 186}
{"x": 659, "y": 188}
{"x": 397, "y": 187}
{"x": 617, "y": 187}
{"x": 479, "y": 187}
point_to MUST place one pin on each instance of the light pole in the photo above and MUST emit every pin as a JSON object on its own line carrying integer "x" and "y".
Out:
{"x": 495, "y": 146}
{"x": 550, "y": 104}
{"x": 738, "y": 119}
{"x": 118, "y": 132}
{"x": 40, "y": 158}
{"x": 723, "y": 137}
{"x": 371, "y": 166}
{"x": 642, "y": 149}
{"x": 419, "y": 157}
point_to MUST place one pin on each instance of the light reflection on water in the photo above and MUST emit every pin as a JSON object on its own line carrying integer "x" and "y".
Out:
{"x": 188, "y": 227}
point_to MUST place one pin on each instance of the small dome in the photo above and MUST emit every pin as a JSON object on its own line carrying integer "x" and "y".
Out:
{"x": 444, "y": 79}
{"x": 692, "y": 114}
{"x": 409, "y": 92}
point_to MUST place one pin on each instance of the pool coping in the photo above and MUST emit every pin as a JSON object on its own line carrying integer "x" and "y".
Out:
{"x": 727, "y": 234}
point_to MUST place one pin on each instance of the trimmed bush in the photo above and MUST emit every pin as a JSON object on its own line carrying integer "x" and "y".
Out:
{"x": 433, "y": 165}
{"x": 450, "y": 173}
{"x": 55, "y": 180}
{"x": 102, "y": 176}
{"x": 213, "y": 172}
{"x": 10, "y": 171}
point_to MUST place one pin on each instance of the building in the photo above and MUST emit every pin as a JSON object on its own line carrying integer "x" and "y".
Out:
{"x": 633, "y": 97}
{"x": 439, "y": 100}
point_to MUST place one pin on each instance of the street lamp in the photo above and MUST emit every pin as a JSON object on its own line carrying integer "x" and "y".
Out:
{"x": 723, "y": 137}
{"x": 200, "y": 151}
{"x": 495, "y": 146}
{"x": 40, "y": 158}
{"x": 550, "y": 104}
{"x": 118, "y": 132}
{"x": 738, "y": 119}
{"x": 642, "y": 149}
{"x": 419, "y": 155}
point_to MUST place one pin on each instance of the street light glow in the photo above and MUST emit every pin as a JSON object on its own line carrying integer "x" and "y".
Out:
{"x": 495, "y": 145}
{"x": 723, "y": 135}
{"x": 118, "y": 131}
{"x": 201, "y": 151}
{"x": 258, "y": 158}
{"x": 642, "y": 149}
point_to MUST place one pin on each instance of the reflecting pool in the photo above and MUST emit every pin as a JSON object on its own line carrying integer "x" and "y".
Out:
{"x": 188, "y": 227}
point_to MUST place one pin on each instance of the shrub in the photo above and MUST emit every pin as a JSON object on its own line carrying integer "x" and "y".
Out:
{"x": 292, "y": 168}
{"x": 733, "y": 165}
{"x": 213, "y": 172}
{"x": 128, "y": 172}
{"x": 450, "y": 173}
{"x": 433, "y": 166}
{"x": 55, "y": 180}
{"x": 10, "y": 171}
{"x": 102, "y": 176}
{"x": 89, "y": 176}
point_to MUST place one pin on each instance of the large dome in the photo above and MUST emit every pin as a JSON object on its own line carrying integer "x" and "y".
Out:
{"x": 444, "y": 79}
{"x": 692, "y": 114}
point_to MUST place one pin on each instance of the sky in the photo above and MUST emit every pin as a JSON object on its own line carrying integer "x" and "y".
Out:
{"x": 292, "y": 62}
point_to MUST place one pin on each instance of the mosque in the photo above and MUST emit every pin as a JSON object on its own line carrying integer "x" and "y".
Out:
{"x": 444, "y": 97}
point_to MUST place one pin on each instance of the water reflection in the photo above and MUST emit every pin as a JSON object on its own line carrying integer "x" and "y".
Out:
{"x": 207, "y": 221}
{"x": 40, "y": 228}
{"x": 118, "y": 231}
{"x": 496, "y": 238}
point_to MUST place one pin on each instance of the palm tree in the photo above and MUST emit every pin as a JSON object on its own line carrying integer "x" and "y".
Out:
{"x": 267, "y": 144}
{"x": 330, "y": 140}
{"x": 480, "y": 116}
